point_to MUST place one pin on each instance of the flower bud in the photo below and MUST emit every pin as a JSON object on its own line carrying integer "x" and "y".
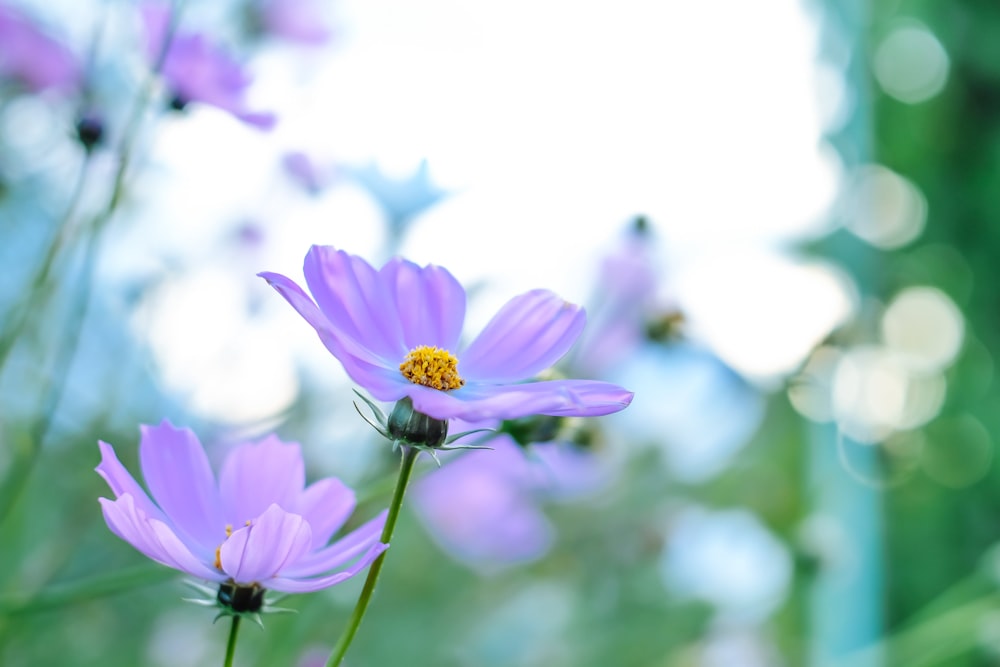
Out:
{"x": 410, "y": 427}
{"x": 89, "y": 131}
{"x": 241, "y": 599}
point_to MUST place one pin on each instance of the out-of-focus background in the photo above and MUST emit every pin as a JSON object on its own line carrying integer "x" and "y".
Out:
{"x": 779, "y": 215}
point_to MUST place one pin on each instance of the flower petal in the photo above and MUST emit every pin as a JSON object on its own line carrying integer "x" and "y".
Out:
{"x": 121, "y": 482}
{"x": 326, "y": 505}
{"x": 288, "y": 585}
{"x": 568, "y": 398}
{"x": 153, "y": 538}
{"x": 483, "y": 520}
{"x": 356, "y": 301}
{"x": 342, "y": 551}
{"x": 255, "y": 475}
{"x": 430, "y": 303}
{"x": 382, "y": 379}
{"x": 259, "y": 551}
{"x": 529, "y": 334}
{"x": 177, "y": 472}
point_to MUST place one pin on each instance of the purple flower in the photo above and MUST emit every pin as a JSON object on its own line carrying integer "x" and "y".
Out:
{"x": 259, "y": 526}
{"x": 306, "y": 172}
{"x": 295, "y": 20}
{"x": 393, "y": 330}
{"x": 197, "y": 70}
{"x": 483, "y": 508}
{"x": 31, "y": 57}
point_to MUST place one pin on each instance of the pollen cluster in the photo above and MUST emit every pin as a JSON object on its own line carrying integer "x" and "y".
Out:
{"x": 432, "y": 367}
{"x": 218, "y": 549}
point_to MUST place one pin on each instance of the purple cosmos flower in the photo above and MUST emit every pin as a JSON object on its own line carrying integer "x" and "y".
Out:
{"x": 31, "y": 57}
{"x": 299, "y": 21}
{"x": 483, "y": 508}
{"x": 259, "y": 527}
{"x": 393, "y": 330}
{"x": 197, "y": 70}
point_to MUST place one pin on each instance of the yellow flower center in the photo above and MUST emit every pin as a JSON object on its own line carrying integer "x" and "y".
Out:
{"x": 218, "y": 549}
{"x": 432, "y": 367}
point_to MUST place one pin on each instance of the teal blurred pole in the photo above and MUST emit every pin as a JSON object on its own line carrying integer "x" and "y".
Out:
{"x": 846, "y": 601}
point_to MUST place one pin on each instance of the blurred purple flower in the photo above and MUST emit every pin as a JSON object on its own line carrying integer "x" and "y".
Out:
{"x": 259, "y": 526}
{"x": 483, "y": 508}
{"x": 32, "y": 58}
{"x": 305, "y": 172}
{"x": 295, "y": 20}
{"x": 623, "y": 303}
{"x": 197, "y": 70}
{"x": 392, "y": 329}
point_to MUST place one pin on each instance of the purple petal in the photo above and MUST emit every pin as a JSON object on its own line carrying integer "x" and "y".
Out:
{"x": 153, "y": 538}
{"x": 479, "y": 518}
{"x": 340, "y": 552}
{"x": 296, "y": 20}
{"x": 179, "y": 477}
{"x": 121, "y": 482}
{"x": 29, "y": 55}
{"x": 156, "y": 21}
{"x": 288, "y": 585}
{"x": 569, "y": 398}
{"x": 325, "y": 505}
{"x": 342, "y": 347}
{"x": 356, "y": 301}
{"x": 530, "y": 333}
{"x": 262, "y": 120}
{"x": 430, "y": 303}
{"x": 384, "y": 382}
{"x": 255, "y": 475}
{"x": 259, "y": 551}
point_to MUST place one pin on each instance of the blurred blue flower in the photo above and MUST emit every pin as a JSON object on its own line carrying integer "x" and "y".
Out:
{"x": 728, "y": 559}
{"x": 196, "y": 70}
{"x": 700, "y": 419}
{"x": 402, "y": 198}
{"x": 392, "y": 329}
{"x": 259, "y": 527}
{"x": 31, "y": 58}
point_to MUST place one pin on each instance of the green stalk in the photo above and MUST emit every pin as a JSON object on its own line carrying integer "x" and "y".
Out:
{"x": 14, "y": 483}
{"x": 405, "y": 469}
{"x": 231, "y": 646}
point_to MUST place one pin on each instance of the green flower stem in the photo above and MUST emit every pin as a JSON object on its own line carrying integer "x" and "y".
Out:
{"x": 231, "y": 646}
{"x": 405, "y": 470}
{"x": 13, "y": 484}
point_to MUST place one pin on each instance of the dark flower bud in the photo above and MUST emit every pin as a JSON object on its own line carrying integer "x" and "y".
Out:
{"x": 178, "y": 102}
{"x": 410, "y": 427}
{"x": 241, "y": 599}
{"x": 89, "y": 131}
{"x": 582, "y": 433}
{"x": 537, "y": 428}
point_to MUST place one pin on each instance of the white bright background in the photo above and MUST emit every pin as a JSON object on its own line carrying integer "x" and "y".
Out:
{"x": 551, "y": 124}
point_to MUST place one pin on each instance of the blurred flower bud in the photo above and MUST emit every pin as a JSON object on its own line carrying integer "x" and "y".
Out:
{"x": 89, "y": 131}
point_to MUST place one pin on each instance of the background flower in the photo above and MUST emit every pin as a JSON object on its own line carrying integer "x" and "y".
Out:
{"x": 197, "y": 70}
{"x": 32, "y": 58}
{"x": 484, "y": 507}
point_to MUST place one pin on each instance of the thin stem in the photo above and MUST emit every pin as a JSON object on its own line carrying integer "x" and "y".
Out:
{"x": 13, "y": 484}
{"x": 231, "y": 646}
{"x": 405, "y": 469}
